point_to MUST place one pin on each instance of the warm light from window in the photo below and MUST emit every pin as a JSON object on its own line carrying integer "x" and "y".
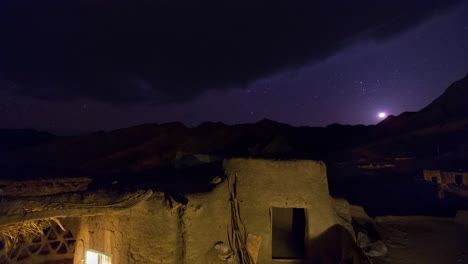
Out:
{"x": 94, "y": 257}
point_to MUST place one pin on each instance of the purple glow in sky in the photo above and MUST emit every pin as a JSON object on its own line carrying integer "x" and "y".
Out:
{"x": 402, "y": 73}
{"x": 382, "y": 115}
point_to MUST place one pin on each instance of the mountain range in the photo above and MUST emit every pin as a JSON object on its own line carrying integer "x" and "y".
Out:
{"x": 440, "y": 129}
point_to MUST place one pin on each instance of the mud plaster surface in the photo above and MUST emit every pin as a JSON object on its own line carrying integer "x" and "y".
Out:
{"x": 186, "y": 234}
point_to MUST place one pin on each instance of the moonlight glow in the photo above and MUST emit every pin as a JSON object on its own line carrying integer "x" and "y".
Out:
{"x": 382, "y": 115}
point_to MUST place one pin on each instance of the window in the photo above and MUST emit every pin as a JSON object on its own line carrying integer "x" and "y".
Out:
{"x": 434, "y": 180}
{"x": 288, "y": 233}
{"x": 96, "y": 257}
{"x": 458, "y": 180}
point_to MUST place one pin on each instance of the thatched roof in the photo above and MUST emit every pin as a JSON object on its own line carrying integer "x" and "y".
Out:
{"x": 45, "y": 186}
{"x": 19, "y": 209}
{"x": 11, "y": 234}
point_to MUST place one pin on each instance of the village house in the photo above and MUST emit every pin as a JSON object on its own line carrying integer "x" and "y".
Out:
{"x": 446, "y": 177}
{"x": 259, "y": 211}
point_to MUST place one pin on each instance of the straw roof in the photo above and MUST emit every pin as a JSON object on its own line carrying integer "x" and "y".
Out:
{"x": 25, "y": 230}
{"x": 15, "y": 210}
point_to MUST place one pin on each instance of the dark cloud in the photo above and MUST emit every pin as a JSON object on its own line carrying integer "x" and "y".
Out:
{"x": 166, "y": 51}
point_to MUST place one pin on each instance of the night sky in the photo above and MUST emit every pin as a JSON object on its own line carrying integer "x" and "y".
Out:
{"x": 76, "y": 66}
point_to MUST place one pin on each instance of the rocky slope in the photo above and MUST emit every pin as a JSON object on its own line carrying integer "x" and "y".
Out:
{"x": 440, "y": 127}
{"x": 11, "y": 139}
{"x": 448, "y": 108}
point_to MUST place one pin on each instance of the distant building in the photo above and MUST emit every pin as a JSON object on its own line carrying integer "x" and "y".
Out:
{"x": 446, "y": 177}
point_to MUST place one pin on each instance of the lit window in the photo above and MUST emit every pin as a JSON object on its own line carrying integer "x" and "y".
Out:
{"x": 96, "y": 257}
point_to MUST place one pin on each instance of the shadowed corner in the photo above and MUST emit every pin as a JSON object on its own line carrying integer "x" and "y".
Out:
{"x": 334, "y": 246}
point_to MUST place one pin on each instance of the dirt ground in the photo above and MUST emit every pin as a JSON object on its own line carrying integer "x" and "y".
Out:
{"x": 421, "y": 239}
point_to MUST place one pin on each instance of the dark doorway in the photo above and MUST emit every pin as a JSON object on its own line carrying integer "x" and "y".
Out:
{"x": 288, "y": 233}
{"x": 434, "y": 180}
{"x": 458, "y": 180}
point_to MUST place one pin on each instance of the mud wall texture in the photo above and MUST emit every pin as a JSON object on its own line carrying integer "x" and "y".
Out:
{"x": 344, "y": 212}
{"x": 197, "y": 233}
{"x": 147, "y": 233}
{"x": 429, "y": 174}
{"x": 446, "y": 177}
{"x": 263, "y": 184}
{"x": 206, "y": 221}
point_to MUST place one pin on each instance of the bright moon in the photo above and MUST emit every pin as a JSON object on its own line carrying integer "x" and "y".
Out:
{"x": 382, "y": 115}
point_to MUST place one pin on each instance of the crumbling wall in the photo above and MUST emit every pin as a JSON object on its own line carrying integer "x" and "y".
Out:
{"x": 343, "y": 211}
{"x": 429, "y": 174}
{"x": 445, "y": 177}
{"x": 261, "y": 185}
{"x": 147, "y": 233}
{"x": 197, "y": 233}
{"x": 449, "y": 177}
{"x": 206, "y": 222}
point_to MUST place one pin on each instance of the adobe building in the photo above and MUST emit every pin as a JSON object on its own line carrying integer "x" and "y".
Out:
{"x": 259, "y": 211}
{"x": 446, "y": 177}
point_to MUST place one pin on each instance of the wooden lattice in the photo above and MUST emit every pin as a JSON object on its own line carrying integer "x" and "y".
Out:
{"x": 54, "y": 245}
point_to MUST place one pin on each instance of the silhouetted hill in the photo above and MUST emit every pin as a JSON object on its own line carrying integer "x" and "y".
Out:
{"x": 152, "y": 146}
{"x": 450, "y": 107}
{"x": 440, "y": 128}
{"x": 11, "y": 139}
{"x": 156, "y": 155}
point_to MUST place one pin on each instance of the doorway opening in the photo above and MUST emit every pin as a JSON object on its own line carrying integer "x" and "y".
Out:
{"x": 288, "y": 233}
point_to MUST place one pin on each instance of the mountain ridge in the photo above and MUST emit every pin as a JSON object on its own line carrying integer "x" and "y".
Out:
{"x": 442, "y": 125}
